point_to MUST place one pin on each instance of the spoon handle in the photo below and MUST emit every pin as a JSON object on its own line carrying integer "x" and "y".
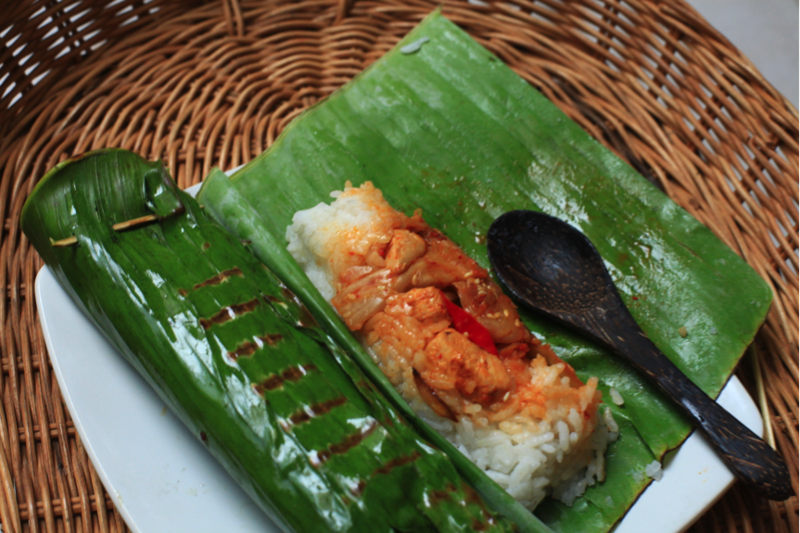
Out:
{"x": 748, "y": 456}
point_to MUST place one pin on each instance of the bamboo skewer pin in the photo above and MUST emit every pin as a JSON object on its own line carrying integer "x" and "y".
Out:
{"x": 119, "y": 226}
{"x": 63, "y": 243}
{"x": 122, "y": 226}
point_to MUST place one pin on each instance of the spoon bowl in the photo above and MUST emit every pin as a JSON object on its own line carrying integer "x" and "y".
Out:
{"x": 563, "y": 278}
{"x": 555, "y": 270}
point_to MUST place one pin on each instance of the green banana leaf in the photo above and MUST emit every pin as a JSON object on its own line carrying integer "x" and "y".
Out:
{"x": 441, "y": 124}
{"x": 238, "y": 359}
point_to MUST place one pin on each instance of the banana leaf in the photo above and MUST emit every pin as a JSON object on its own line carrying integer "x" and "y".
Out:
{"x": 237, "y": 358}
{"x": 441, "y": 124}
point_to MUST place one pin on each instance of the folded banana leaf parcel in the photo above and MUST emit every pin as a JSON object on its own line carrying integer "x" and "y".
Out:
{"x": 203, "y": 302}
{"x": 236, "y": 357}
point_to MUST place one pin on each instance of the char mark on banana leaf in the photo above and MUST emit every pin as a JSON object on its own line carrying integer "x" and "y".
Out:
{"x": 219, "y": 278}
{"x": 276, "y": 381}
{"x": 307, "y": 413}
{"x": 341, "y": 448}
{"x": 386, "y": 469}
{"x": 229, "y": 313}
{"x": 442, "y": 495}
{"x": 248, "y": 348}
{"x": 394, "y": 463}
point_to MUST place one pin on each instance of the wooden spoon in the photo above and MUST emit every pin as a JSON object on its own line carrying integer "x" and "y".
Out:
{"x": 554, "y": 269}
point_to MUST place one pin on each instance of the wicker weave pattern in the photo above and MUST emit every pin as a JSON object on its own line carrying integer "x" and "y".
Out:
{"x": 204, "y": 84}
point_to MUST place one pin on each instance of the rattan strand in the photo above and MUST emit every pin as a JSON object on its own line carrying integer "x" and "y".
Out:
{"x": 203, "y": 84}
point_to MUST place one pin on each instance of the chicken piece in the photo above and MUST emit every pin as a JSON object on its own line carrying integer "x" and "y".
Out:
{"x": 494, "y": 310}
{"x": 517, "y": 350}
{"x": 430, "y": 397}
{"x": 374, "y": 256}
{"x": 360, "y": 300}
{"x": 409, "y": 321}
{"x": 404, "y": 248}
{"x": 442, "y": 265}
{"x": 353, "y": 274}
{"x": 451, "y": 362}
{"x": 425, "y": 305}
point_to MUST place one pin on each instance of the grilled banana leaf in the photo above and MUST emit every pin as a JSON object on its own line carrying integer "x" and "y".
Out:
{"x": 443, "y": 125}
{"x": 237, "y": 358}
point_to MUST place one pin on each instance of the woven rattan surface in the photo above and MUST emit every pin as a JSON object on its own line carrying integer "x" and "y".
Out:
{"x": 203, "y": 84}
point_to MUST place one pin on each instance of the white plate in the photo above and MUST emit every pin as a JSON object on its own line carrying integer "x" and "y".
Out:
{"x": 163, "y": 479}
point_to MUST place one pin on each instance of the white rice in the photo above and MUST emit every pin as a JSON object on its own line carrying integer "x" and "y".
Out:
{"x": 530, "y": 459}
{"x": 654, "y": 471}
{"x": 529, "y": 464}
{"x": 616, "y": 397}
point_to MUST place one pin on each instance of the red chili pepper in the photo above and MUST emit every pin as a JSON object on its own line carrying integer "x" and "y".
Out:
{"x": 465, "y": 323}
